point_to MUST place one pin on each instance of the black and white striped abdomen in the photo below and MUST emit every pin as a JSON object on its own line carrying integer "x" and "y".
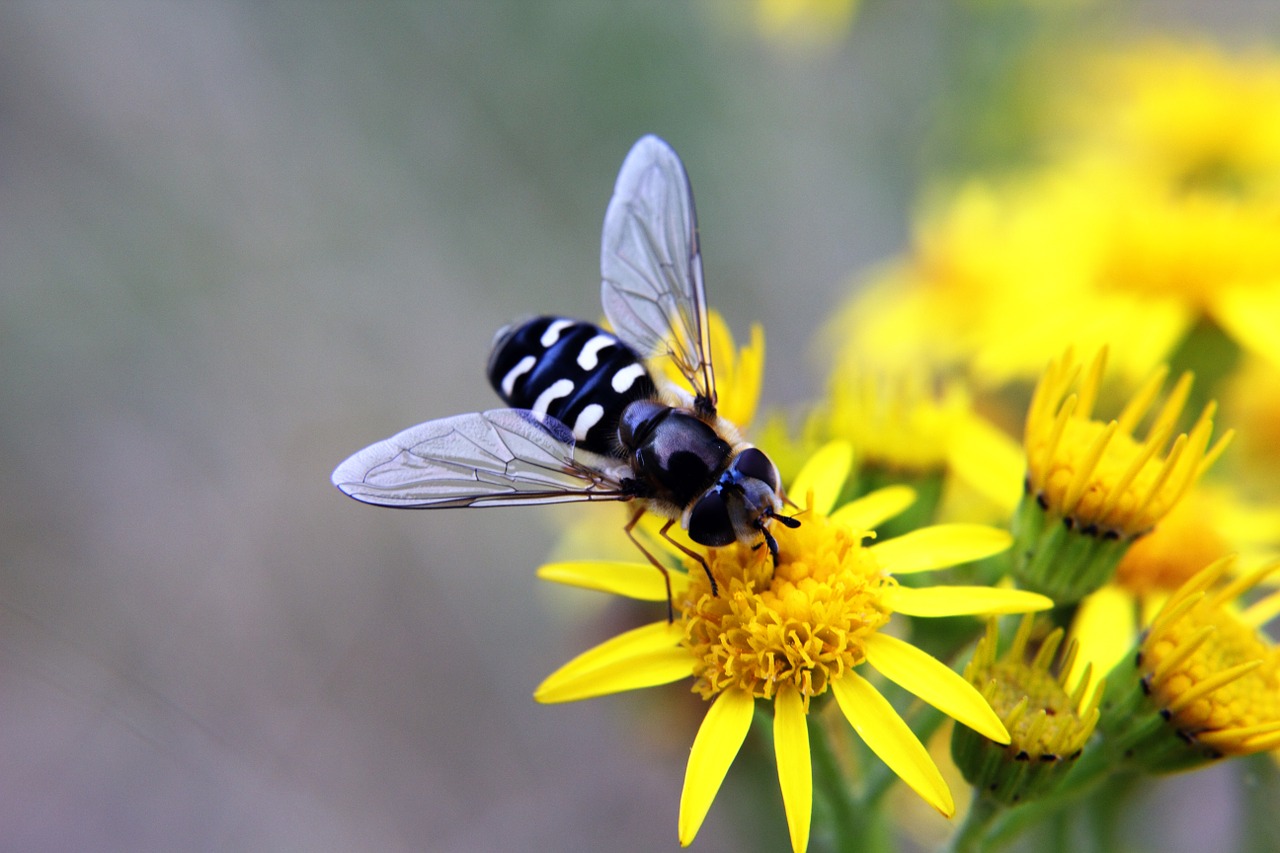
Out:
{"x": 573, "y": 371}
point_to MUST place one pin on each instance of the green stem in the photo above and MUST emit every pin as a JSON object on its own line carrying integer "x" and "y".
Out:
{"x": 972, "y": 835}
{"x": 852, "y": 824}
{"x": 856, "y": 826}
{"x": 1093, "y": 767}
{"x": 1060, "y": 833}
{"x": 1109, "y": 805}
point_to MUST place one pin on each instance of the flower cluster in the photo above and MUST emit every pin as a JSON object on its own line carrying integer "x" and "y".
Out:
{"x": 999, "y": 436}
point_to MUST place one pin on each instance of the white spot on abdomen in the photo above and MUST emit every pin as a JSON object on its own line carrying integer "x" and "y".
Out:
{"x": 522, "y": 367}
{"x": 590, "y": 355}
{"x": 626, "y": 377}
{"x": 552, "y": 334}
{"x": 559, "y": 388}
{"x": 589, "y": 417}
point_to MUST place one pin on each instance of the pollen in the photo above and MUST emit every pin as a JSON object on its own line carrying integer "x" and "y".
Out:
{"x": 800, "y": 624}
{"x": 1100, "y": 476}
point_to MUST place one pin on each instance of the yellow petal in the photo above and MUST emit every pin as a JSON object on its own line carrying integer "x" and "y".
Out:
{"x": 795, "y": 772}
{"x": 933, "y": 681}
{"x": 748, "y": 376}
{"x": 824, "y": 474}
{"x": 870, "y": 511}
{"x": 940, "y": 546}
{"x": 875, "y": 721}
{"x": 1105, "y": 627}
{"x": 640, "y": 581}
{"x": 642, "y": 657}
{"x": 961, "y": 600}
{"x": 988, "y": 459}
{"x": 651, "y": 670}
{"x": 716, "y": 745}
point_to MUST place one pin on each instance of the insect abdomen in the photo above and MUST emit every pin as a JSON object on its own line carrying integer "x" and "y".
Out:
{"x": 573, "y": 371}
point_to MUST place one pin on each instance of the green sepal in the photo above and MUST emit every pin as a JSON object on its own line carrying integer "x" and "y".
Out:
{"x": 1053, "y": 556}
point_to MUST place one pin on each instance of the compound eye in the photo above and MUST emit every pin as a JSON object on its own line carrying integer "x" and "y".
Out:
{"x": 709, "y": 521}
{"x": 753, "y": 463}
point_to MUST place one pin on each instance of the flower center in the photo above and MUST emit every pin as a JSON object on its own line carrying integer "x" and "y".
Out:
{"x": 1125, "y": 513}
{"x": 1251, "y": 699}
{"x": 801, "y": 624}
{"x": 1014, "y": 683}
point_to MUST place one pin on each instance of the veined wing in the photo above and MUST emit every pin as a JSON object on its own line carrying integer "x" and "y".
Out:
{"x": 497, "y": 458}
{"x": 651, "y": 265}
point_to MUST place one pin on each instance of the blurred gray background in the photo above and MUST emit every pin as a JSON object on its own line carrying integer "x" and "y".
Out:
{"x": 238, "y": 241}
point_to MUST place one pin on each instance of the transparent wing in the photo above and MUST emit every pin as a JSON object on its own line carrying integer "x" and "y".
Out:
{"x": 500, "y": 457}
{"x": 651, "y": 265}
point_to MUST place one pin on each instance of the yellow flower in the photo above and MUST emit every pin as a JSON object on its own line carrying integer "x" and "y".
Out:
{"x": 1093, "y": 487}
{"x": 1048, "y": 722}
{"x": 1207, "y": 674}
{"x": 792, "y": 634}
{"x": 1001, "y": 277}
{"x": 1097, "y": 474}
{"x": 898, "y": 423}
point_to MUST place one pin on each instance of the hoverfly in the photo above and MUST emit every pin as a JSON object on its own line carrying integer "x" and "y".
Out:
{"x": 587, "y": 421}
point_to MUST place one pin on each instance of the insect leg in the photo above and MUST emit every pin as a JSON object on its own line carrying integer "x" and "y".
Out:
{"x": 762, "y": 525}
{"x": 689, "y": 552}
{"x": 772, "y": 543}
{"x": 666, "y": 575}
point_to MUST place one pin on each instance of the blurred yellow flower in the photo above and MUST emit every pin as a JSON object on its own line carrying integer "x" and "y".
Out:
{"x": 1188, "y": 114}
{"x": 1160, "y": 212}
{"x": 804, "y": 24}
{"x": 1251, "y": 400}
{"x": 910, "y": 428}
{"x": 899, "y": 423}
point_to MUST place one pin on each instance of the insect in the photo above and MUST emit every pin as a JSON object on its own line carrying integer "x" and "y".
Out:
{"x": 587, "y": 421}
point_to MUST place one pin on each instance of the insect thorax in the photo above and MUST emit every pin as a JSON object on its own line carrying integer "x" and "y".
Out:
{"x": 573, "y": 371}
{"x": 677, "y": 454}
